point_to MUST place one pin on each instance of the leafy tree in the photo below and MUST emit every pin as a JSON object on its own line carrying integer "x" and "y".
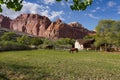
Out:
{"x": 17, "y": 4}
{"x": 89, "y": 37}
{"x": 8, "y": 36}
{"x": 108, "y": 33}
{"x": 65, "y": 41}
{"x": 48, "y": 42}
{"x": 116, "y": 33}
{"x": 12, "y": 4}
{"x": 36, "y": 41}
{"x": 24, "y": 40}
{"x": 79, "y": 4}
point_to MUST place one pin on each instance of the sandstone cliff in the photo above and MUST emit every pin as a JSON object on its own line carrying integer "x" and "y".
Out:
{"x": 41, "y": 26}
{"x": 31, "y": 23}
{"x": 5, "y": 21}
{"x": 59, "y": 29}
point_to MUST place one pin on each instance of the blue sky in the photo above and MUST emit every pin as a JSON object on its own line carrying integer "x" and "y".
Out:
{"x": 100, "y": 9}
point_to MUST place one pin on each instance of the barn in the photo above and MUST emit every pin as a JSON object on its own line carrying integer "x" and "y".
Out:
{"x": 82, "y": 44}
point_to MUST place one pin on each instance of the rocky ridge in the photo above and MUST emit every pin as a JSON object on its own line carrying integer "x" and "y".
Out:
{"x": 42, "y": 26}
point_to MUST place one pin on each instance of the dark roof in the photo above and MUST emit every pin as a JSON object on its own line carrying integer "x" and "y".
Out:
{"x": 82, "y": 41}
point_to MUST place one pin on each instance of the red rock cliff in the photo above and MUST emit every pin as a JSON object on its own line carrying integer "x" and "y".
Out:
{"x": 5, "y": 21}
{"x": 31, "y": 23}
{"x": 41, "y": 26}
{"x": 59, "y": 29}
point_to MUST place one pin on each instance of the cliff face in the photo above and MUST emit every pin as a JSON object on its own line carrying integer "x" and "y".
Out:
{"x": 41, "y": 26}
{"x": 31, "y": 23}
{"x": 59, "y": 29}
{"x": 5, "y": 21}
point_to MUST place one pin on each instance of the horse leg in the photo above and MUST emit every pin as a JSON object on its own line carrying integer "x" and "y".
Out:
{"x": 70, "y": 51}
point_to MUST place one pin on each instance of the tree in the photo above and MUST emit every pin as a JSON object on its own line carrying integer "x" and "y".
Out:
{"x": 103, "y": 32}
{"x": 36, "y": 41}
{"x": 17, "y": 4}
{"x": 24, "y": 40}
{"x": 116, "y": 33}
{"x": 12, "y": 4}
{"x": 8, "y": 36}
{"x": 79, "y": 4}
{"x": 89, "y": 37}
{"x": 108, "y": 33}
{"x": 65, "y": 41}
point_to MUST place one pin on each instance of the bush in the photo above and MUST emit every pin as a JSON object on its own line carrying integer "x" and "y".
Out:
{"x": 8, "y": 36}
{"x": 65, "y": 41}
{"x": 63, "y": 46}
{"x": 24, "y": 40}
{"x": 9, "y": 46}
{"x": 36, "y": 41}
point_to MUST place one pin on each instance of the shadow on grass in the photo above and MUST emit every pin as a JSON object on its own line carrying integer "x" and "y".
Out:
{"x": 3, "y": 77}
{"x": 23, "y": 72}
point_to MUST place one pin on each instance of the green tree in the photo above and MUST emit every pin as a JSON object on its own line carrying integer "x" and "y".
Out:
{"x": 12, "y": 4}
{"x": 48, "y": 42}
{"x": 79, "y": 4}
{"x": 65, "y": 41}
{"x": 17, "y": 4}
{"x": 116, "y": 33}
{"x": 24, "y": 40}
{"x": 36, "y": 41}
{"x": 108, "y": 33}
{"x": 89, "y": 37}
{"x": 8, "y": 36}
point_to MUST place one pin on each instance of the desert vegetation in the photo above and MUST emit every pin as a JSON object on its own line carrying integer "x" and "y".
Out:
{"x": 12, "y": 41}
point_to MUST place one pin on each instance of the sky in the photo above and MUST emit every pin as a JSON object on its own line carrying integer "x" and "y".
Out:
{"x": 89, "y": 18}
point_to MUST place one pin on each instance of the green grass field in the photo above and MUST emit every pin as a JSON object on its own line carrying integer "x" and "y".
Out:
{"x": 59, "y": 65}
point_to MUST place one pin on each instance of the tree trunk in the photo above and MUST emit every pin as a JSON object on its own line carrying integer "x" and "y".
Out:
{"x": 105, "y": 47}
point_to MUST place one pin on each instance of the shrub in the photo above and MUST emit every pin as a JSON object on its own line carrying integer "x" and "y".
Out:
{"x": 65, "y": 41}
{"x": 36, "y": 41}
{"x": 8, "y": 36}
{"x": 63, "y": 47}
{"x": 24, "y": 40}
{"x": 9, "y": 45}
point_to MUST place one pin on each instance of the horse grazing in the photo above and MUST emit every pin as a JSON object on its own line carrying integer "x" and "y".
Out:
{"x": 73, "y": 49}
{"x": 49, "y": 47}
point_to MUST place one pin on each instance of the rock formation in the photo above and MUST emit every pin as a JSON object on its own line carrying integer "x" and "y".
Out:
{"x": 41, "y": 26}
{"x": 5, "y": 21}
{"x": 59, "y": 29}
{"x": 31, "y": 23}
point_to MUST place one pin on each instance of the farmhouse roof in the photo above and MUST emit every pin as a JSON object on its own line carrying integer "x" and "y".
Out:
{"x": 82, "y": 41}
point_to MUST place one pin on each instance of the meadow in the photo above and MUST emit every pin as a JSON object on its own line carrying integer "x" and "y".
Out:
{"x": 59, "y": 65}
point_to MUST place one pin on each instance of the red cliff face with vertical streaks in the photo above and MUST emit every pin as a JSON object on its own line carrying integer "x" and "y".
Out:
{"x": 41, "y": 26}
{"x": 31, "y": 23}
{"x": 5, "y": 21}
{"x": 59, "y": 29}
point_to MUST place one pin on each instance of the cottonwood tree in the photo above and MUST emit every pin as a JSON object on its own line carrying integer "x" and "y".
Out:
{"x": 116, "y": 33}
{"x": 17, "y": 4}
{"x": 102, "y": 35}
{"x": 108, "y": 33}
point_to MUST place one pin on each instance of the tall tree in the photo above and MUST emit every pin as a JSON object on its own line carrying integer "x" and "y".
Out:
{"x": 108, "y": 32}
{"x": 104, "y": 33}
{"x": 116, "y": 33}
{"x": 17, "y": 4}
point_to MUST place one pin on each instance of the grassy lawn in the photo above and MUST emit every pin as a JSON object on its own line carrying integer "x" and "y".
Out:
{"x": 59, "y": 65}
